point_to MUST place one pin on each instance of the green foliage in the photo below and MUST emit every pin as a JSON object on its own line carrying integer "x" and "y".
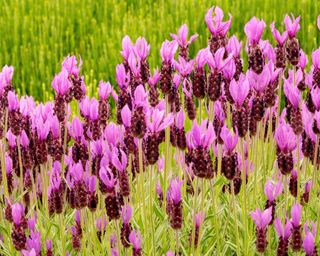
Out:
{"x": 37, "y": 34}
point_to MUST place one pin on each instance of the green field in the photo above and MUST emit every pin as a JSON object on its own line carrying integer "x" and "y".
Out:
{"x": 37, "y": 34}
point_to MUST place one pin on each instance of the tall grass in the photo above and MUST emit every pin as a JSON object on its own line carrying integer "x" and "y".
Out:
{"x": 37, "y": 34}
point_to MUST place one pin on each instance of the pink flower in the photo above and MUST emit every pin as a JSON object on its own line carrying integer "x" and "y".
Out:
{"x": 17, "y": 213}
{"x": 184, "y": 67}
{"x": 239, "y": 90}
{"x": 218, "y": 111}
{"x": 292, "y": 93}
{"x": 61, "y": 83}
{"x": 180, "y": 119}
{"x": 168, "y": 50}
{"x": 202, "y": 136}
{"x": 91, "y": 184}
{"x": 262, "y": 219}
{"x": 285, "y": 137}
{"x": 215, "y": 24}
{"x": 259, "y": 81}
{"x": 254, "y": 29}
{"x": 134, "y": 64}
{"x": 201, "y": 58}
{"x": 309, "y": 244}
{"x": 315, "y": 95}
{"x": 272, "y": 190}
{"x": 13, "y": 101}
{"x": 9, "y": 164}
{"x": 199, "y": 218}
{"x": 127, "y": 48}
{"x": 296, "y": 215}
{"x": 159, "y": 121}
{"x": 70, "y": 65}
{"x": 126, "y": 116}
{"x": 24, "y": 140}
{"x": 5, "y": 77}
{"x": 316, "y": 59}
{"x": 11, "y": 138}
{"x": 101, "y": 223}
{"x": 175, "y": 190}
{"x": 120, "y": 165}
{"x": 217, "y": 61}
{"x": 318, "y": 22}
{"x": 292, "y": 25}
{"x": 234, "y": 46}
{"x": 76, "y": 129}
{"x": 142, "y": 48}
{"x": 123, "y": 78}
{"x": 76, "y": 172}
{"x": 303, "y": 60}
{"x": 281, "y": 39}
{"x": 230, "y": 142}
{"x": 94, "y": 109}
{"x": 229, "y": 70}
{"x": 105, "y": 90}
{"x": 107, "y": 177}
{"x": 283, "y": 231}
{"x": 181, "y": 37}
{"x": 153, "y": 80}
{"x": 140, "y": 96}
{"x": 126, "y": 212}
{"x": 135, "y": 239}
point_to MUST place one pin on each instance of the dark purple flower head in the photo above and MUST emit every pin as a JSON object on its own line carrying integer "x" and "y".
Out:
{"x": 122, "y": 77}
{"x": 105, "y": 90}
{"x": 283, "y": 231}
{"x": 272, "y": 191}
{"x": 61, "y": 83}
{"x": 292, "y": 25}
{"x": 141, "y": 48}
{"x": 168, "y": 50}
{"x": 254, "y": 29}
{"x": 126, "y": 212}
{"x": 135, "y": 239}
{"x": 234, "y": 46}
{"x": 17, "y": 213}
{"x": 127, "y": 47}
{"x": 13, "y": 101}
{"x": 70, "y": 64}
{"x": 107, "y": 177}
{"x": 215, "y": 24}
{"x": 281, "y": 39}
{"x": 296, "y": 215}
{"x": 239, "y": 90}
{"x": 262, "y": 218}
{"x": 158, "y": 121}
{"x": 182, "y": 37}
{"x": 216, "y": 60}
{"x": 229, "y": 141}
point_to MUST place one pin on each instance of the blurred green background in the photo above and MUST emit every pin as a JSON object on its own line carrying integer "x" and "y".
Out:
{"x": 35, "y": 35}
